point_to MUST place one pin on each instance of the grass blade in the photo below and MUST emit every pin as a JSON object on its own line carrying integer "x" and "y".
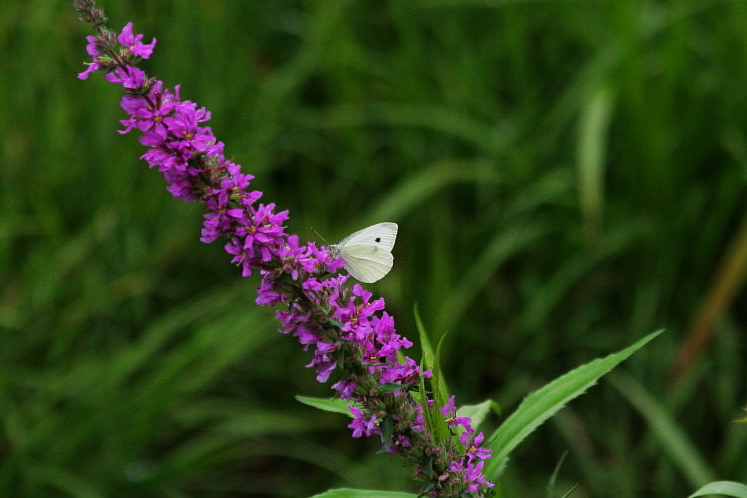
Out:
{"x": 334, "y": 405}
{"x": 726, "y": 488}
{"x": 592, "y": 144}
{"x": 679, "y": 446}
{"x": 438, "y": 383}
{"x": 545, "y": 402}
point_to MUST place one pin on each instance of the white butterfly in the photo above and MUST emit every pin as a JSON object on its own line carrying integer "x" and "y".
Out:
{"x": 368, "y": 252}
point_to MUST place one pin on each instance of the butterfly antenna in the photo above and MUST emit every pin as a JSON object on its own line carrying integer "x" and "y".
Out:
{"x": 320, "y": 236}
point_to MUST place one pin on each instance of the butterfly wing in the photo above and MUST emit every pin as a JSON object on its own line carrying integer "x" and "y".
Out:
{"x": 381, "y": 235}
{"x": 366, "y": 263}
{"x": 367, "y": 253}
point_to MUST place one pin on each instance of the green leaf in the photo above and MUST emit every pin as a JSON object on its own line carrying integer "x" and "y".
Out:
{"x": 433, "y": 416}
{"x": 429, "y": 422}
{"x": 550, "y": 488}
{"x": 506, "y": 244}
{"x": 440, "y": 389}
{"x": 416, "y": 188}
{"x": 334, "y": 405}
{"x": 725, "y": 488}
{"x": 545, "y": 402}
{"x": 477, "y": 413}
{"x": 593, "y": 126}
{"x": 425, "y": 341}
{"x": 570, "y": 491}
{"x": 363, "y": 493}
{"x": 674, "y": 440}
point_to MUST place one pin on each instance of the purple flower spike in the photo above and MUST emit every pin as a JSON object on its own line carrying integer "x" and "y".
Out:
{"x": 348, "y": 332}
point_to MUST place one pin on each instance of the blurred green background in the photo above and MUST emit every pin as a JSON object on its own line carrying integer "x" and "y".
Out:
{"x": 567, "y": 177}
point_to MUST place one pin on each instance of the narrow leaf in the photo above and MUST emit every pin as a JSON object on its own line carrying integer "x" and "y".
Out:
{"x": 507, "y": 243}
{"x": 427, "y": 414}
{"x": 436, "y": 422}
{"x": 545, "y": 402}
{"x": 425, "y": 341}
{"x": 334, "y": 405}
{"x": 550, "y": 488}
{"x": 594, "y": 125}
{"x": 570, "y": 491}
{"x": 725, "y": 488}
{"x": 421, "y": 185}
{"x": 675, "y": 441}
{"x": 440, "y": 389}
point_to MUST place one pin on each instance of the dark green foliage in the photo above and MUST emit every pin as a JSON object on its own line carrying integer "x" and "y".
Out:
{"x": 566, "y": 176}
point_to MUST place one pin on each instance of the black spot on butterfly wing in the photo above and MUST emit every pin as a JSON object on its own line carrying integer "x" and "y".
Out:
{"x": 378, "y": 239}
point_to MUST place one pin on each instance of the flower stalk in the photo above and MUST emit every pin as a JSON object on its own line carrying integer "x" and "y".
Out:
{"x": 350, "y": 333}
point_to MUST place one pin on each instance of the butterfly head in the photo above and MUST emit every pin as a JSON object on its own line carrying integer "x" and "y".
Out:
{"x": 334, "y": 251}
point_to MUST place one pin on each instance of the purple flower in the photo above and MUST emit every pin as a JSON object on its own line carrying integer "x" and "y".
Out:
{"x": 362, "y": 424}
{"x": 187, "y": 137}
{"x": 324, "y": 366}
{"x": 419, "y": 424}
{"x": 257, "y": 236}
{"x": 93, "y": 50}
{"x": 130, "y": 77}
{"x": 449, "y": 410}
{"x": 476, "y": 452}
{"x": 133, "y": 43}
{"x": 149, "y": 113}
{"x": 345, "y": 388}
